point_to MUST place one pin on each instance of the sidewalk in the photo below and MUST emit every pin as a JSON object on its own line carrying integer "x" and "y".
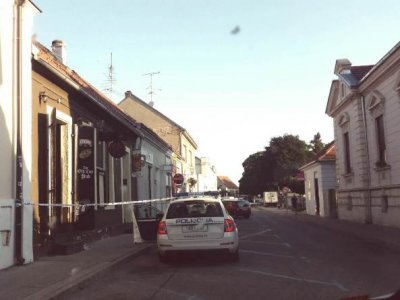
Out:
{"x": 53, "y": 275}
{"x": 387, "y": 236}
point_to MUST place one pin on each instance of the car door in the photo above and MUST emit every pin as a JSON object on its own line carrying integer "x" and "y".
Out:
{"x": 147, "y": 216}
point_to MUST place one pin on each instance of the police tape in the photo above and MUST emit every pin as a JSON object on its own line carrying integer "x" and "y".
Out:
{"x": 138, "y": 202}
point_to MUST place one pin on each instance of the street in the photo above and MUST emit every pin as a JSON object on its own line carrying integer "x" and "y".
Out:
{"x": 282, "y": 256}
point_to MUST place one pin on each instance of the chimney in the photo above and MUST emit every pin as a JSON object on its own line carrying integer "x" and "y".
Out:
{"x": 59, "y": 50}
{"x": 128, "y": 94}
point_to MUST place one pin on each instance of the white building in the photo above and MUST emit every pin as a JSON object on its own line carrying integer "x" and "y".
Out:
{"x": 364, "y": 102}
{"x": 206, "y": 175}
{"x": 16, "y": 22}
{"x": 320, "y": 183}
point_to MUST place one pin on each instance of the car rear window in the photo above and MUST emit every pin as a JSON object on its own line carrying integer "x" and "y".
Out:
{"x": 189, "y": 209}
{"x": 243, "y": 204}
{"x": 228, "y": 204}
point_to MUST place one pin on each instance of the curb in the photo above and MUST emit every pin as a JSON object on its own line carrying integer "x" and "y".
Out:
{"x": 60, "y": 288}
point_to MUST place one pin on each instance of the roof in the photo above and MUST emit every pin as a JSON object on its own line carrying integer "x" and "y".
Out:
{"x": 355, "y": 75}
{"x": 130, "y": 95}
{"x": 45, "y": 57}
{"x": 227, "y": 182}
{"x": 360, "y": 71}
{"x": 327, "y": 154}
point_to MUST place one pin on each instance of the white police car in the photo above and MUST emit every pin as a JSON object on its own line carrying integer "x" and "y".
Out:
{"x": 197, "y": 224}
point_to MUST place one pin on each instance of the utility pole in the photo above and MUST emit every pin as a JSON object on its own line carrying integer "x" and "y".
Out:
{"x": 150, "y": 87}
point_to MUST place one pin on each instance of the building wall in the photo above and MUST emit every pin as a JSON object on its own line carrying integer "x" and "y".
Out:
{"x": 357, "y": 179}
{"x": 162, "y": 127}
{"x": 155, "y": 162}
{"x": 188, "y": 162}
{"x": 371, "y": 193}
{"x": 8, "y": 116}
{"x": 325, "y": 173}
{"x": 206, "y": 175}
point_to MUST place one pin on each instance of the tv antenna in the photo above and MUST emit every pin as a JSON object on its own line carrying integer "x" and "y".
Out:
{"x": 150, "y": 87}
{"x": 110, "y": 77}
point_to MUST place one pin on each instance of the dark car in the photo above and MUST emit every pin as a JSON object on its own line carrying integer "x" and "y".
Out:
{"x": 237, "y": 207}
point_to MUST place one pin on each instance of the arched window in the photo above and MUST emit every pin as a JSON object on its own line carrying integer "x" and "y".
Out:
{"x": 376, "y": 107}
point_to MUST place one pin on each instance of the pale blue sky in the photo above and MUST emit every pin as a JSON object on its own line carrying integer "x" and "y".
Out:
{"x": 233, "y": 93}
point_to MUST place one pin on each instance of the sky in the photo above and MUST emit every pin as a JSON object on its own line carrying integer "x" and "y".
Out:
{"x": 233, "y": 73}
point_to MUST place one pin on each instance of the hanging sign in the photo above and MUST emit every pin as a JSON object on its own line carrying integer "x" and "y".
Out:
{"x": 178, "y": 179}
{"x": 85, "y": 174}
{"x": 116, "y": 149}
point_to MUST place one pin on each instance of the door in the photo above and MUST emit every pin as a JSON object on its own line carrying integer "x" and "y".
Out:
{"x": 332, "y": 203}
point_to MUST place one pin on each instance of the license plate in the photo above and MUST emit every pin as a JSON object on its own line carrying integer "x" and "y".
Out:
{"x": 195, "y": 228}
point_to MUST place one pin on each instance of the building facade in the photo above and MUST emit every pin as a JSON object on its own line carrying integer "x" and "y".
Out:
{"x": 206, "y": 175}
{"x": 226, "y": 187}
{"x": 183, "y": 145}
{"x": 320, "y": 183}
{"x": 16, "y": 22}
{"x": 154, "y": 180}
{"x": 82, "y": 152}
{"x": 364, "y": 102}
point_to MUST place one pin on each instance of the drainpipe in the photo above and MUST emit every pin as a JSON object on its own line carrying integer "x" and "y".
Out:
{"x": 19, "y": 161}
{"x": 369, "y": 203}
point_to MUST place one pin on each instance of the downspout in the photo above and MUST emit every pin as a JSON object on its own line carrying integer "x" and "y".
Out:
{"x": 369, "y": 204}
{"x": 19, "y": 161}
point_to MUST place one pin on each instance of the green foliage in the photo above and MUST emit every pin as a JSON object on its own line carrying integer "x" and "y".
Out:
{"x": 278, "y": 165}
{"x": 316, "y": 144}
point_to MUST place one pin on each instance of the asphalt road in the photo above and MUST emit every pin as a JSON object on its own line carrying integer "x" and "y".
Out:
{"x": 281, "y": 257}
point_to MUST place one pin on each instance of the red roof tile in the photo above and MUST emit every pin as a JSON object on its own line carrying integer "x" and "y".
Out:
{"x": 226, "y": 181}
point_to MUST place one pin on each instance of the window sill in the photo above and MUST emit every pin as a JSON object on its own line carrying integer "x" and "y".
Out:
{"x": 382, "y": 167}
{"x": 351, "y": 174}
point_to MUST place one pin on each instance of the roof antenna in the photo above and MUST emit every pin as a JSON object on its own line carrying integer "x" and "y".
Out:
{"x": 110, "y": 81}
{"x": 150, "y": 87}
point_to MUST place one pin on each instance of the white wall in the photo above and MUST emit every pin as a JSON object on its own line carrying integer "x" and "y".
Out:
{"x": 206, "y": 175}
{"x": 325, "y": 173}
{"x": 8, "y": 92}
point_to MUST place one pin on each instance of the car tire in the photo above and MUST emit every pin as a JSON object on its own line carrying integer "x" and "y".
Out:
{"x": 247, "y": 216}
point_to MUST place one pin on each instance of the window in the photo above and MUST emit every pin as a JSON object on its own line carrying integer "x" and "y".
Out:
{"x": 380, "y": 139}
{"x": 349, "y": 203}
{"x": 385, "y": 204}
{"x": 346, "y": 146}
{"x": 342, "y": 90}
{"x": 184, "y": 152}
{"x": 190, "y": 158}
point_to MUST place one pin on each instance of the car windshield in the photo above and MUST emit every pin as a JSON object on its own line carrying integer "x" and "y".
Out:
{"x": 188, "y": 209}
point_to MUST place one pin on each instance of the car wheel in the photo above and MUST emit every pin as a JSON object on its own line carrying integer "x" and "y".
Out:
{"x": 163, "y": 258}
{"x": 247, "y": 216}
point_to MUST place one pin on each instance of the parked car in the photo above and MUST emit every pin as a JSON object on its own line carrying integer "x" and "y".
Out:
{"x": 238, "y": 207}
{"x": 197, "y": 224}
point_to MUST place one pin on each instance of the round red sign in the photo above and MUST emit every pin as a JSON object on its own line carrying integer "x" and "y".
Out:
{"x": 178, "y": 178}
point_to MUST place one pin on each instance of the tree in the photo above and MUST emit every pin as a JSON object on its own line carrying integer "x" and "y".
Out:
{"x": 289, "y": 153}
{"x": 277, "y": 166}
{"x": 254, "y": 177}
{"x": 316, "y": 144}
{"x": 192, "y": 182}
